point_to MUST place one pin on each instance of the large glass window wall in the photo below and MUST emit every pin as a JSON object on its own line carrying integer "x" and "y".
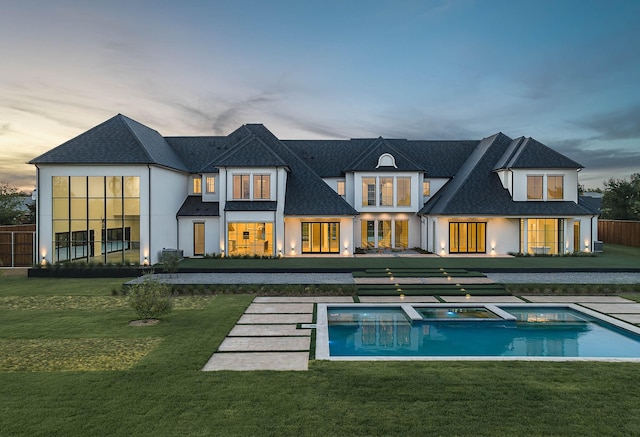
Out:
{"x": 96, "y": 218}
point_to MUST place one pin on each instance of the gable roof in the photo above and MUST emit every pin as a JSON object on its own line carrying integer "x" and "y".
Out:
{"x": 306, "y": 194}
{"x": 477, "y": 190}
{"x": 368, "y": 159}
{"x": 119, "y": 140}
{"x": 529, "y": 153}
{"x": 251, "y": 151}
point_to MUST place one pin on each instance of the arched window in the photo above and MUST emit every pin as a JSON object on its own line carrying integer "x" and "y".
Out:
{"x": 386, "y": 160}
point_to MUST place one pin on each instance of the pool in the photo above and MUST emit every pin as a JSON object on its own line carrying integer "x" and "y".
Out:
{"x": 467, "y": 332}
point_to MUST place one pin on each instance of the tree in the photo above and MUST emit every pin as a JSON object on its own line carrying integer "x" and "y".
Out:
{"x": 621, "y": 199}
{"x": 11, "y": 205}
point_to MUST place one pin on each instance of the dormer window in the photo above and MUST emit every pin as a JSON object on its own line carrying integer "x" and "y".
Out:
{"x": 386, "y": 160}
{"x": 211, "y": 184}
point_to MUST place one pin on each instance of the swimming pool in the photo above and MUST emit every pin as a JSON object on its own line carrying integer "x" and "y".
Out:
{"x": 472, "y": 332}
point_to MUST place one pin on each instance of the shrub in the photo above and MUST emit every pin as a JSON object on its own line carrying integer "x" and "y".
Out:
{"x": 170, "y": 262}
{"x": 150, "y": 299}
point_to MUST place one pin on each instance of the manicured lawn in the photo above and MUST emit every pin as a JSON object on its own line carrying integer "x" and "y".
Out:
{"x": 163, "y": 392}
{"x": 614, "y": 256}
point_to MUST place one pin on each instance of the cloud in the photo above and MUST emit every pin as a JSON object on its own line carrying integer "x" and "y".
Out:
{"x": 614, "y": 125}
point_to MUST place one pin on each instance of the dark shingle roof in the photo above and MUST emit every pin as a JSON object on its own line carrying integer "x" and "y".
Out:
{"x": 368, "y": 159}
{"x": 251, "y": 151}
{"x": 307, "y": 194}
{"x": 193, "y": 206}
{"x": 477, "y": 190}
{"x": 196, "y": 151}
{"x": 119, "y": 140}
{"x": 252, "y": 205}
{"x": 529, "y": 153}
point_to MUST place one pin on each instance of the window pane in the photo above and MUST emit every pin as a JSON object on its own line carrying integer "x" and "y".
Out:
{"x": 114, "y": 186}
{"x": 402, "y": 234}
{"x": 211, "y": 184}
{"x": 426, "y": 188}
{"x": 79, "y": 208}
{"x": 197, "y": 185}
{"x": 132, "y": 207}
{"x": 404, "y": 191}
{"x": 534, "y": 187}
{"x": 261, "y": 187}
{"x": 131, "y": 186}
{"x": 78, "y": 186}
{"x": 60, "y": 186}
{"x": 368, "y": 191}
{"x": 386, "y": 191}
{"x": 96, "y": 186}
{"x": 61, "y": 208}
{"x": 384, "y": 233}
{"x": 341, "y": 188}
{"x": 555, "y": 187}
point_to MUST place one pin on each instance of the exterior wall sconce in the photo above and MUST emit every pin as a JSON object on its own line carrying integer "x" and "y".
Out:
{"x": 146, "y": 261}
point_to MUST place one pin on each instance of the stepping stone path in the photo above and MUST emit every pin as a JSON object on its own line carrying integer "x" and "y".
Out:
{"x": 267, "y": 336}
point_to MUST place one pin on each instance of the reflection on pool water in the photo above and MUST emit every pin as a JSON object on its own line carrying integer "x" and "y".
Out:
{"x": 464, "y": 331}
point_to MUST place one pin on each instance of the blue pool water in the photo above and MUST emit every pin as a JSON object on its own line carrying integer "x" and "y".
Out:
{"x": 523, "y": 332}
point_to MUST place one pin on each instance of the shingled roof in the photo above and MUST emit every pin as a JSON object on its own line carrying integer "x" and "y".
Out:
{"x": 529, "y": 153}
{"x": 368, "y": 159}
{"x": 119, "y": 140}
{"x": 477, "y": 190}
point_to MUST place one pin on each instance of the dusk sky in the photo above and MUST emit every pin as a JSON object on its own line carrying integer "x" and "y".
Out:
{"x": 565, "y": 72}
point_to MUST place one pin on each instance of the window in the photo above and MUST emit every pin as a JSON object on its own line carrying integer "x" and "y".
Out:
{"x": 261, "y": 186}
{"x": 467, "y": 237}
{"x": 241, "y": 186}
{"x": 402, "y": 234}
{"x": 250, "y": 238}
{"x": 386, "y": 191}
{"x": 211, "y": 184}
{"x": 426, "y": 188}
{"x": 384, "y": 233}
{"x": 197, "y": 185}
{"x": 340, "y": 187}
{"x": 320, "y": 237}
{"x": 545, "y": 236}
{"x": 404, "y": 191}
{"x": 96, "y": 218}
{"x": 368, "y": 191}
{"x": 534, "y": 187}
{"x": 555, "y": 187}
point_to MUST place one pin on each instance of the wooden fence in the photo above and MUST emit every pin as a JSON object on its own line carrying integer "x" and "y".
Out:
{"x": 622, "y": 232}
{"x": 17, "y": 245}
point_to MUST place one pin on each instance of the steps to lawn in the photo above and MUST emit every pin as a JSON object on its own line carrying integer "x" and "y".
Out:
{"x": 421, "y": 282}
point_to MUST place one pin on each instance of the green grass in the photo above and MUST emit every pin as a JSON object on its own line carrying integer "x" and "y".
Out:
{"x": 614, "y": 256}
{"x": 164, "y": 393}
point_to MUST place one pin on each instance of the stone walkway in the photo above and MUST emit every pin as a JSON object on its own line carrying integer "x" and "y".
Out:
{"x": 274, "y": 333}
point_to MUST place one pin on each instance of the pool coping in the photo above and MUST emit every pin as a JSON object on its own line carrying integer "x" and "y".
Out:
{"x": 322, "y": 333}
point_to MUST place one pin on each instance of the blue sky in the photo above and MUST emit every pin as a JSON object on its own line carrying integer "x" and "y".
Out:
{"x": 566, "y": 72}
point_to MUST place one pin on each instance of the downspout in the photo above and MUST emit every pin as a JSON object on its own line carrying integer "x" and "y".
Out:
{"x": 37, "y": 254}
{"x": 149, "y": 214}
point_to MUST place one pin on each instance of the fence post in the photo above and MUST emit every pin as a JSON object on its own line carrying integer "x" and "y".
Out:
{"x": 13, "y": 248}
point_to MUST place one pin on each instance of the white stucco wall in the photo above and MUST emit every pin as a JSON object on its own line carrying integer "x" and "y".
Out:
{"x": 520, "y": 183}
{"x": 167, "y": 194}
{"x": 211, "y": 235}
{"x": 502, "y": 234}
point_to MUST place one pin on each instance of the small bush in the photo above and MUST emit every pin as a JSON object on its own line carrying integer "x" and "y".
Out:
{"x": 150, "y": 299}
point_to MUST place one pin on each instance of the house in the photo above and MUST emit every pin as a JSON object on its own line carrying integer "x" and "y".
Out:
{"x": 122, "y": 191}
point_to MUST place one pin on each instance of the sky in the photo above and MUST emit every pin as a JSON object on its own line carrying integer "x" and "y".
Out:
{"x": 565, "y": 72}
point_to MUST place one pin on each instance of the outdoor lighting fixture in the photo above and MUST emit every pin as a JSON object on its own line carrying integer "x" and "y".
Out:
{"x": 468, "y": 296}
{"x": 146, "y": 261}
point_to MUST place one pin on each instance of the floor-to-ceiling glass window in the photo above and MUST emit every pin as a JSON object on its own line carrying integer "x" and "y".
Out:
{"x": 96, "y": 218}
{"x": 368, "y": 233}
{"x": 384, "y": 234}
{"x": 320, "y": 237}
{"x": 467, "y": 237}
{"x": 250, "y": 238}
{"x": 545, "y": 236}
{"x": 402, "y": 234}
